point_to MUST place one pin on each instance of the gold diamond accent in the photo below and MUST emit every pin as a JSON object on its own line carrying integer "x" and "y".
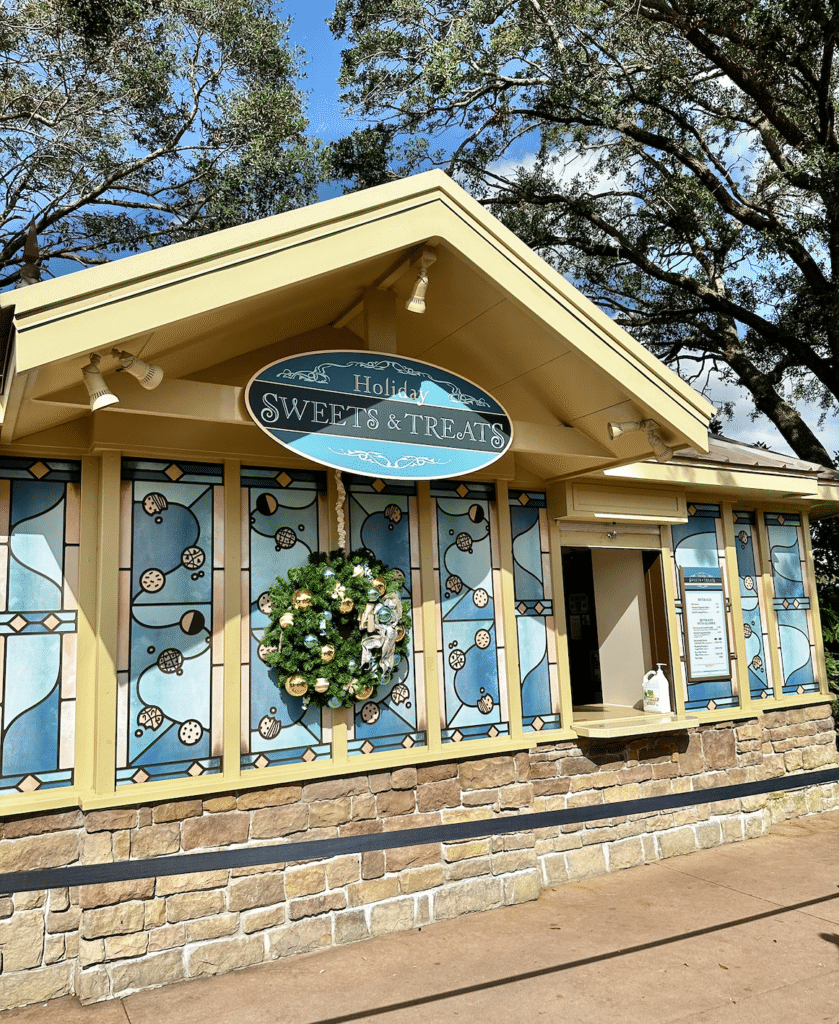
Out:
{"x": 378, "y": 486}
{"x": 39, "y": 470}
{"x": 51, "y": 622}
{"x": 523, "y": 498}
{"x": 786, "y": 604}
{"x": 140, "y": 776}
{"x": 538, "y": 724}
{"x": 781, "y": 520}
{"x": 795, "y": 603}
{"x": 283, "y": 479}
{"x": 711, "y": 705}
{"x": 521, "y": 607}
{"x": 765, "y": 695}
{"x": 457, "y": 736}
{"x": 463, "y": 490}
{"x": 310, "y": 755}
{"x": 261, "y": 762}
{"x": 29, "y": 784}
{"x": 408, "y": 742}
{"x": 800, "y": 689}
{"x": 195, "y": 769}
{"x": 367, "y": 747}
{"x": 17, "y": 623}
{"x": 174, "y": 473}
{"x": 692, "y": 510}
{"x": 493, "y": 732}
{"x": 539, "y": 608}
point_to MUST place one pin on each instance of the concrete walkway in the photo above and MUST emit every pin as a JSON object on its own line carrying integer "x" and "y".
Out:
{"x": 741, "y": 934}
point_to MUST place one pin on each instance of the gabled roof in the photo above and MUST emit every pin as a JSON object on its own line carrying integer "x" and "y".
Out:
{"x": 212, "y": 310}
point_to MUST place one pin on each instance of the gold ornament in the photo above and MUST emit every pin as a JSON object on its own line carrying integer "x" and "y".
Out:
{"x": 380, "y": 585}
{"x": 297, "y": 685}
{"x": 321, "y": 685}
{"x": 286, "y": 620}
{"x": 327, "y": 652}
{"x": 400, "y": 633}
{"x": 302, "y": 599}
{"x": 364, "y": 694}
{"x": 345, "y": 606}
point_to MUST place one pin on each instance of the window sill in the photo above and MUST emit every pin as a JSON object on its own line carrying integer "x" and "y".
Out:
{"x": 610, "y": 721}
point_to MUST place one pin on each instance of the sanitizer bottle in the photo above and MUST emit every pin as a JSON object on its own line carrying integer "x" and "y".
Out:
{"x": 657, "y": 691}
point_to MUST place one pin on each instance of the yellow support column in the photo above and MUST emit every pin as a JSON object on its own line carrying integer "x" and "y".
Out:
{"x": 232, "y": 740}
{"x": 679, "y": 680}
{"x": 766, "y": 581}
{"x": 430, "y": 602}
{"x": 340, "y": 717}
{"x": 86, "y": 702}
{"x": 563, "y": 666}
{"x": 508, "y": 612}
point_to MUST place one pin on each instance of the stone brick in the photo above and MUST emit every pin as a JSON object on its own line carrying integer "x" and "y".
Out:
{"x": 362, "y": 893}
{"x": 363, "y": 806}
{"x": 277, "y": 796}
{"x": 515, "y": 797}
{"x": 395, "y": 916}
{"x": 373, "y": 864}
{"x": 395, "y": 801}
{"x": 36, "y": 986}
{"x": 259, "y": 920}
{"x": 53, "y": 949}
{"x": 195, "y": 880}
{"x": 215, "y": 830}
{"x": 421, "y": 878}
{"x": 300, "y": 937}
{"x": 166, "y": 937}
{"x": 403, "y": 778}
{"x": 211, "y": 927}
{"x": 708, "y": 834}
{"x": 467, "y": 898}
{"x": 324, "y": 813}
{"x": 305, "y": 880}
{"x": 463, "y": 851}
{"x": 436, "y": 772}
{"x": 120, "y": 947}
{"x": 691, "y": 761}
{"x": 720, "y": 748}
{"x": 216, "y": 804}
{"x": 513, "y": 860}
{"x": 29, "y": 900}
{"x": 7, "y": 907}
{"x": 270, "y": 822}
{"x": 434, "y": 795}
{"x": 92, "y": 986}
{"x": 111, "y": 820}
{"x": 91, "y": 952}
{"x": 550, "y": 787}
{"x": 156, "y": 841}
{"x": 343, "y": 870}
{"x": 399, "y": 858}
{"x": 160, "y": 969}
{"x": 313, "y": 906}
{"x": 37, "y": 824}
{"x": 676, "y": 843}
{"x": 461, "y": 869}
{"x": 587, "y": 861}
{"x": 179, "y": 810}
{"x": 59, "y": 899}
{"x": 816, "y": 757}
{"x": 116, "y": 920}
{"x": 479, "y": 797}
{"x": 22, "y": 941}
{"x": 65, "y": 921}
{"x": 626, "y": 853}
{"x": 255, "y": 891}
{"x": 333, "y": 789}
{"x": 97, "y": 847}
{"x": 187, "y": 905}
{"x": 350, "y": 927}
{"x": 42, "y": 851}
{"x": 488, "y": 773}
{"x": 522, "y": 888}
{"x": 578, "y": 766}
{"x": 109, "y": 893}
{"x": 554, "y": 869}
{"x": 451, "y": 815}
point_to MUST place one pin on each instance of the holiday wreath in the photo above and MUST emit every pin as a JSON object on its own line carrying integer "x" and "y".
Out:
{"x": 338, "y": 628}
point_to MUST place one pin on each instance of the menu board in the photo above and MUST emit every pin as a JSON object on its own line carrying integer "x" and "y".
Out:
{"x": 706, "y": 632}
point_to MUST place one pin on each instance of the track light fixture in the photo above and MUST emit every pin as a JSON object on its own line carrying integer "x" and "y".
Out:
{"x": 416, "y": 302}
{"x": 661, "y": 451}
{"x": 100, "y": 394}
{"x": 148, "y": 376}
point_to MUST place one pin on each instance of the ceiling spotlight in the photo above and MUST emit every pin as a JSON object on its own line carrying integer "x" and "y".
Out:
{"x": 100, "y": 394}
{"x": 661, "y": 451}
{"x": 416, "y": 302}
{"x": 148, "y": 376}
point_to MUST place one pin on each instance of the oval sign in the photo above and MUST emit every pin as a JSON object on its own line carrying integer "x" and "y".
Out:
{"x": 380, "y": 416}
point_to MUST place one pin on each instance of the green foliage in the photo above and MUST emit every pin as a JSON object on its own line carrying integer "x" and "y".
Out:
{"x": 678, "y": 161}
{"x": 307, "y": 604}
{"x": 138, "y": 123}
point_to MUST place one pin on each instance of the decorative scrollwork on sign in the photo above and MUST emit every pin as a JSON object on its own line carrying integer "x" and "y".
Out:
{"x": 383, "y": 462}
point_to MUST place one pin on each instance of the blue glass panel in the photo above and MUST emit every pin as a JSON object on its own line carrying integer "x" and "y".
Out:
{"x": 283, "y": 529}
{"x": 753, "y": 626}
{"x": 380, "y": 519}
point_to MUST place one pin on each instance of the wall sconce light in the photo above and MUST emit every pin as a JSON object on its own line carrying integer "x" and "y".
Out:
{"x": 100, "y": 394}
{"x": 416, "y": 302}
{"x": 661, "y": 451}
{"x": 148, "y": 376}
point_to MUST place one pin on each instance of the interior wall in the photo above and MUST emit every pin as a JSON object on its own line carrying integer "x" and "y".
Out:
{"x": 622, "y": 623}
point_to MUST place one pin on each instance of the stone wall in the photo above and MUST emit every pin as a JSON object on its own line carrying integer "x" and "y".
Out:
{"x": 108, "y": 940}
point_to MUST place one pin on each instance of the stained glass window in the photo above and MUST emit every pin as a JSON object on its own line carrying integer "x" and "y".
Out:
{"x": 283, "y": 512}
{"x": 791, "y": 603}
{"x": 39, "y": 572}
{"x": 383, "y": 518}
{"x": 170, "y": 664}
{"x": 534, "y": 611}
{"x": 698, "y": 545}
{"x": 754, "y": 621}
{"x": 472, "y": 663}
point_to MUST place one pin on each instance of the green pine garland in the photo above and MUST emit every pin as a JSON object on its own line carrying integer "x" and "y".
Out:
{"x": 304, "y": 628}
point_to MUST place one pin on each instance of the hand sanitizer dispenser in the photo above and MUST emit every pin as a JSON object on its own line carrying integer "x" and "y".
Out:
{"x": 657, "y": 691}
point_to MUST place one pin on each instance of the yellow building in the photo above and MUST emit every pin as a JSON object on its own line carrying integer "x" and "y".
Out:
{"x": 139, "y": 716}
